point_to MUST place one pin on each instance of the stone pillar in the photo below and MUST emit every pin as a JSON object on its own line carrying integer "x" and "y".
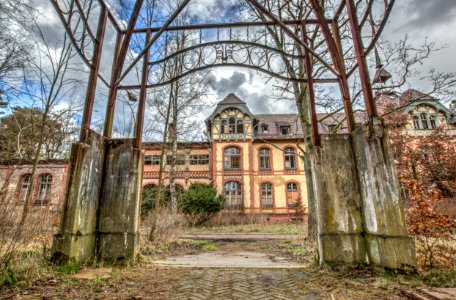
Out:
{"x": 77, "y": 235}
{"x": 338, "y": 203}
{"x": 359, "y": 213}
{"x": 100, "y": 217}
{"x": 387, "y": 242}
{"x": 118, "y": 226}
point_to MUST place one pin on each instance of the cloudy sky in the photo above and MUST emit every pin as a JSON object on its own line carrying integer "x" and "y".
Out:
{"x": 419, "y": 19}
{"x": 434, "y": 20}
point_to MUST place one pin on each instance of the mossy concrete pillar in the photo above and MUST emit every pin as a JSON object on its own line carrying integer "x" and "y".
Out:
{"x": 100, "y": 217}
{"x": 338, "y": 205}
{"x": 119, "y": 217}
{"x": 77, "y": 235}
{"x": 359, "y": 212}
{"x": 387, "y": 242}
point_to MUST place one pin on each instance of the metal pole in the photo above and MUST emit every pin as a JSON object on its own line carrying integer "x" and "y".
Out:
{"x": 338, "y": 60}
{"x": 142, "y": 96}
{"x": 95, "y": 67}
{"x": 361, "y": 59}
{"x": 316, "y": 141}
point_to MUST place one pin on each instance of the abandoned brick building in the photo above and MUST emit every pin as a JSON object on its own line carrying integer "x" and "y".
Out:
{"x": 255, "y": 160}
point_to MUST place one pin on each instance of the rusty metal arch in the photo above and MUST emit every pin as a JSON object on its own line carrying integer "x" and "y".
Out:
{"x": 221, "y": 65}
{"x": 356, "y": 18}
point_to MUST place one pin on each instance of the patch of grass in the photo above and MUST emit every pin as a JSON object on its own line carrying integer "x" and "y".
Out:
{"x": 300, "y": 249}
{"x": 439, "y": 278}
{"x": 203, "y": 244}
{"x": 277, "y": 228}
{"x": 8, "y": 276}
{"x": 68, "y": 268}
{"x": 211, "y": 247}
{"x": 197, "y": 243}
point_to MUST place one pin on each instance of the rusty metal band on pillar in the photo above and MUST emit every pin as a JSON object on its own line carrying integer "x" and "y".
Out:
{"x": 142, "y": 96}
{"x": 92, "y": 85}
{"x": 338, "y": 61}
{"x": 361, "y": 59}
{"x": 310, "y": 89}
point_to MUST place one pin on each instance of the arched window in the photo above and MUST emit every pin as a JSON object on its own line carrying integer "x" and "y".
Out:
{"x": 232, "y": 158}
{"x": 233, "y": 194}
{"x": 267, "y": 200}
{"x": 26, "y": 179}
{"x": 240, "y": 126}
{"x": 44, "y": 191}
{"x": 292, "y": 194}
{"x": 265, "y": 159}
{"x": 231, "y": 125}
{"x": 290, "y": 159}
{"x": 424, "y": 120}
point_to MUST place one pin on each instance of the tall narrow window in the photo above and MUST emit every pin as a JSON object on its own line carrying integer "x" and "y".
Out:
{"x": 44, "y": 190}
{"x": 416, "y": 122}
{"x": 424, "y": 120}
{"x": 232, "y": 158}
{"x": 223, "y": 126}
{"x": 240, "y": 126}
{"x": 267, "y": 201}
{"x": 433, "y": 121}
{"x": 292, "y": 194}
{"x": 232, "y": 125}
{"x": 290, "y": 159}
{"x": 265, "y": 159}
{"x": 233, "y": 194}
{"x": 26, "y": 179}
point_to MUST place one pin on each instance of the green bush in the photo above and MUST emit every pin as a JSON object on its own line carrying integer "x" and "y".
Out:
{"x": 148, "y": 199}
{"x": 200, "y": 203}
{"x": 149, "y": 196}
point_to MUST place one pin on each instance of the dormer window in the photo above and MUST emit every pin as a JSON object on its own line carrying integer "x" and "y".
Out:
{"x": 232, "y": 125}
{"x": 264, "y": 128}
{"x": 425, "y": 121}
{"x": 285, "y": 130}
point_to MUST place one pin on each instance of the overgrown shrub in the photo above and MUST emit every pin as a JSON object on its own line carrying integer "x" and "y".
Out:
{"x": 200, "y": 203}
{"x": 164, "y": 225}
{"x": 432, "y": 230}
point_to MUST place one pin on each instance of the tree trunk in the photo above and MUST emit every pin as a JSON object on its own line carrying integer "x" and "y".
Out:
{"x": 173, "y": 135}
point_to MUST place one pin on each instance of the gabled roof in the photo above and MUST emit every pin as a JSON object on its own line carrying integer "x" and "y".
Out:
{"x": 231, "y": 99}
{"x": 414, "y": 95}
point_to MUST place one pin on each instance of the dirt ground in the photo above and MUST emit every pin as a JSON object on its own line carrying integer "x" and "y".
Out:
{"x": 149, "y": 281}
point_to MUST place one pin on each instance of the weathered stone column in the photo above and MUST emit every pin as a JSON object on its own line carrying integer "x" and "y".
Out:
{"x": 118, "y": 226}
{"x": 338, "y": 202}
{"x": 387, "y": 242}
{"x": 77, "y": 235}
